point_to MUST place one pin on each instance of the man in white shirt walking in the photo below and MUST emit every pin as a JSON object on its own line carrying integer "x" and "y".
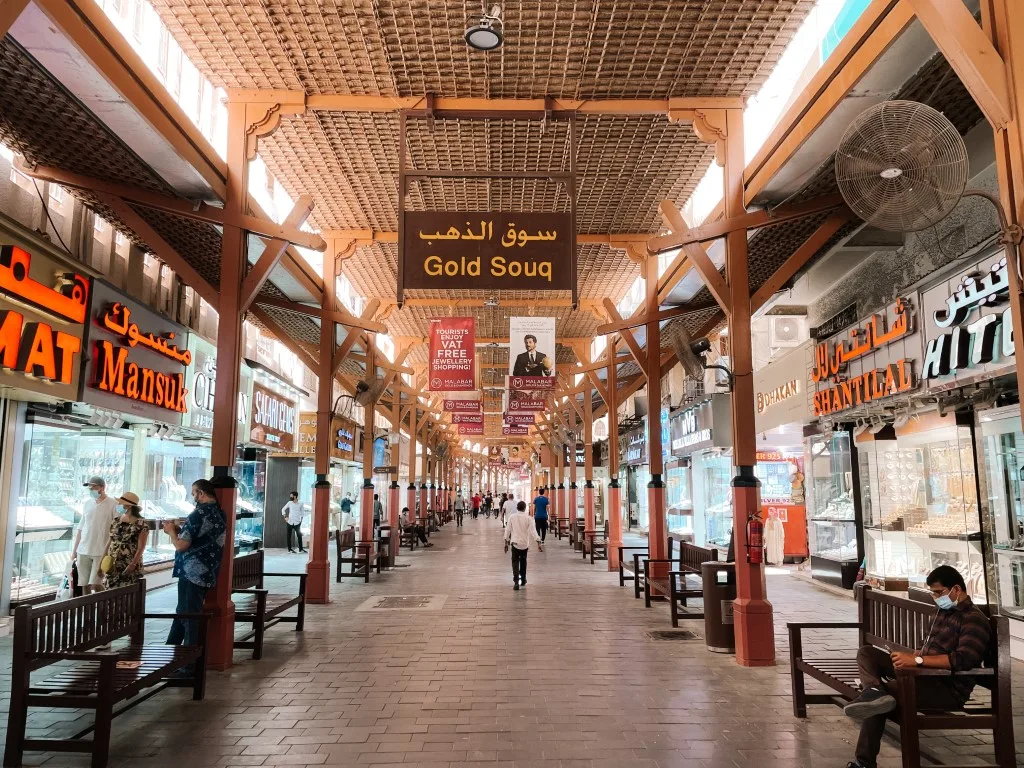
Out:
{"x": 508, "y": 509}
{"x": 293, "y": 513}
{"x": 520, "y": 533}
{"x": 93, "y": 535}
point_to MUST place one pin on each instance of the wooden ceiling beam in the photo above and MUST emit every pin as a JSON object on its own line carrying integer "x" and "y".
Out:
{"x": 10, "y": 10}
{"x": 696, "y": 254}
{"x": 289, "y": 343}
{"x": 341, "y": 316}
{"x": 665, "y": 314}
{"x": 273, "y": 253}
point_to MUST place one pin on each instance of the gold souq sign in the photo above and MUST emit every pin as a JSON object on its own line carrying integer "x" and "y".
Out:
{"x": 486, "y": 250}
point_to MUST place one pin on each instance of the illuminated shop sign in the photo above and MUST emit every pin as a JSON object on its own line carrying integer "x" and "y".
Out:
{"x": 273, "y": 419}
{"x": 201, "y": 381}
{"x": 766, "y": 400}
{"x": 969, "y": 330}
{"x": 138, "y": 358}
{"x": 693, "y": 429}
{"x": 870, "y": 366}
{"x": 42, "y": 312}
{"x": 636, "y": 447}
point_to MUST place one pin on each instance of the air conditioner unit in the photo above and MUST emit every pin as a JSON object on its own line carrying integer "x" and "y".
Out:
{"x": 786, "y": 331}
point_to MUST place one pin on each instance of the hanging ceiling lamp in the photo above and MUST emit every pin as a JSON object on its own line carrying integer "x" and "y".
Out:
{"x": 486, "y": 36}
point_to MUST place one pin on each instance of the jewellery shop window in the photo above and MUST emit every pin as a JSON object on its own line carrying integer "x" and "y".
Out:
{"x": 679, "y": 499}
{"x": 1002, "y": 450}
{"x": 921, "y": 507}
{"x": 250, "y": 473}
{"x": 170, "y": 469}
{"x": 832, "y": 530}
{"x": 57, "y": 459}
{"x": 712, "y": 477}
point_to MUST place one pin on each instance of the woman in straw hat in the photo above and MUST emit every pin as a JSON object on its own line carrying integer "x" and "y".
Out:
{"x": 128, "y": 535}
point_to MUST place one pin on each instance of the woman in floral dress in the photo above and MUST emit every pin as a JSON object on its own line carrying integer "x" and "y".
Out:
{"x": 128, "y": 535}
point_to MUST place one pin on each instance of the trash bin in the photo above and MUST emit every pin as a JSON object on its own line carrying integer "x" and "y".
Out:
{"x": 719, "y": 582}
{"x": 384, "y": 545}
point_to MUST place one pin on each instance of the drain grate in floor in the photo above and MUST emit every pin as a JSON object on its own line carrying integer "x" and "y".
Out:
{"x": 403, "y": 603}
{"x": 668, "y": 634}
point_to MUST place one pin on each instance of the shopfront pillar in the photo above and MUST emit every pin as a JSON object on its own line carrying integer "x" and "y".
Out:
{"x": 366, "y": 532}
{"x": 755, "y": 635}
{"x": 221, "y": 629}
{"x": 657, "y": 532}
{"x": 573, "y": 488}
{"x": 410, "y": 498}
{"x": 394, "y": 489}
{"x": 589, "y": 513}
{"x": 423, "y": 513}
{"x": 613, "y": 515}
{"x": 560, "y": 466}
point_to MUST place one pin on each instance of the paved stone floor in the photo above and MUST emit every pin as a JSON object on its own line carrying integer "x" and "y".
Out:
{"x": 561, "y": 674}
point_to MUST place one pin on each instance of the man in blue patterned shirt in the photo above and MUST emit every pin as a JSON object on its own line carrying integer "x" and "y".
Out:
{"x": 199, "y": 547}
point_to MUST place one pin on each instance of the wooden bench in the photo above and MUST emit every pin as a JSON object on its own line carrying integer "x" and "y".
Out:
{"x": 360, "y": 556}
{"x": 74, "y": 632}
{"x": 257, "y": 606}
{"x": 899, "y": 624}
{"x": 631, "y": 565}
{"x": 560, "y": 527}
{"x": 595, "y": 544}
{"x": 678, "y": 585}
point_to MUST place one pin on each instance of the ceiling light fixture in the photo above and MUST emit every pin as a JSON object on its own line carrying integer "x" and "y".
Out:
{"x": 486, "y": 36}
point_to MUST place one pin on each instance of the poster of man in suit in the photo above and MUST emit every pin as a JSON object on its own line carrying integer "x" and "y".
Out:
{"x": 531, "y": 346}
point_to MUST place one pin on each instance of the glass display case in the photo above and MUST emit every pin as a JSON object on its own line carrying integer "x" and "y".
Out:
{"x": 712, "y": 481}
{"x": 831, "y": 513}
{"x": 56, "y": 461}
{"x": 250, "y": 472}
{"x": 776, "y": 481}
{"x": 169, "y": 469}
{"x": 921, "y": 507}
{"x": 679, "y": 500}
{"x": 1001, "y": 449}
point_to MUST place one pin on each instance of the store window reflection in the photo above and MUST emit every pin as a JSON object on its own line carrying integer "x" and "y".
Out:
{"x": 56, "y": 460}
{"x": 250, "y": 473}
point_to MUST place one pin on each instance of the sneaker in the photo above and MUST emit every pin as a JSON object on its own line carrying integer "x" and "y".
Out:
{"x": 524, "y": 582}
{"x": 871, "y": 702}
{"x": 292, "y": 551}
{"x": 515, "y": 587}
{"x": 303, "y": 551}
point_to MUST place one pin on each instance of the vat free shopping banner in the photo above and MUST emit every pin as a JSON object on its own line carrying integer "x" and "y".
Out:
{"x": 452, "y": 355}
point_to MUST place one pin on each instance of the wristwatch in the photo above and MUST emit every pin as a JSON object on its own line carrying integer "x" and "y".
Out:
{"x": 919, "y": 660}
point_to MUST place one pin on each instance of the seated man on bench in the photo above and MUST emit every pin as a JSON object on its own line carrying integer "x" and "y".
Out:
{"x": 419, "y": 530}
{"x": 958, "y": 640}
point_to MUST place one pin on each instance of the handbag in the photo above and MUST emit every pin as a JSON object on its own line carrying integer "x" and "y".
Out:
{"x": 106, "y": 564}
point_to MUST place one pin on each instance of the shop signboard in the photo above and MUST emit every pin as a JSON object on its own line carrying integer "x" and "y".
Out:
{"x": 693, "y": 429}
{"x": 842, "y": 319}
{"x": 518, "y": 418}
{"x": 137, "y": 359}
{"x": 200, "y": 383}
{"x": 634, "y": 445}
{"x": 781, "y": 390}
{"x": 273, "y": 420}
{"x": 968, "y": 325}
{"x": 453, "y": 405}
{"x": 532, "y": 383}
{"x": 43, "y": 308}
{"x": 306, "y": 436}
{"x": 581, "y": 454}
{"x": 534, "y": 406}
{"x": 452, "y": 359}
{"x": 487, "y": 250}
{"x": 342, "y": 436}
{"x": 471, "y": 429}
{"x": 467, "y": 418}
{"x": 514, "y": 429}
{"x": 877, "y": 359}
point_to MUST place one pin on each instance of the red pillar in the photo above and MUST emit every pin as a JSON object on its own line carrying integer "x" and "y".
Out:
{"x": 755, "y": 634}
{"x": 657, "y": 537}
{"x": 614, "y": 496}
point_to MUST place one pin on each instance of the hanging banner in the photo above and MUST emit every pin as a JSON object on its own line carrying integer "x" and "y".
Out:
{"x": 518, "y": 418}
{"x": 533, "y": 406}
{"x": 467, "y": 418}
{"x": 531, "y": 347}
{"x": 531, "y": 384}
{"x": 485, "y": 250}
{"x": 452, "y": 355}
{"x": 471, "y": 429}
{"x": 463, "y": 406}
{"x": 515, "y": 429}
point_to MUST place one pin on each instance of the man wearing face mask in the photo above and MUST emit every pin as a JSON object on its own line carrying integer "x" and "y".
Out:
{"x": 958, "y": 640}
{"x": 93, "y": 533}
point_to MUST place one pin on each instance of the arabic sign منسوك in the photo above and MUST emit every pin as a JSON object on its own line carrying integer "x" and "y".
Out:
{"x": 137, "y": 358}
{"x": 486, "y": 250}
{"x": 42, "y": 321}
{"x": 968, "y": 325}
{"x": 876, "y": 361}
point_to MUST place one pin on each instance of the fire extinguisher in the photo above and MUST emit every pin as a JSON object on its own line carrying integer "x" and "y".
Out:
{"x": 755, "y": 540}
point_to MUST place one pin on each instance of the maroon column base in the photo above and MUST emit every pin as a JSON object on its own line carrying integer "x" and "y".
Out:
{"x": 318, "y": 569}
{"x": 614, "y": 518}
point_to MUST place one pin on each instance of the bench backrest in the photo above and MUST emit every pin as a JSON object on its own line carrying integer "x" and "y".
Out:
{"x": 78, "y": 624}
{"x": 247, "y": 571}
{"x": 344, "y": 540}
{"x": 902, "y": 624}
{"x": 691, "y": 556}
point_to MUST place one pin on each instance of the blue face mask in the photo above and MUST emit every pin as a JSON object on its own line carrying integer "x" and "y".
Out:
{"x": 945, "y": 603}
{"x": 94, "y": 493}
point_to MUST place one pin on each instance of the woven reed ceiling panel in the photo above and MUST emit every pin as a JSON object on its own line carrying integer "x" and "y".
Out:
{"x": 598, "y": 49}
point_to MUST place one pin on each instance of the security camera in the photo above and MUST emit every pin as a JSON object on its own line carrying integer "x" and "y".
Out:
{"x": 700, "y": 347}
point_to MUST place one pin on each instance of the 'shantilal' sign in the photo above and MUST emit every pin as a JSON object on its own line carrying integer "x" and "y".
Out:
{"x": 514, "y": 251}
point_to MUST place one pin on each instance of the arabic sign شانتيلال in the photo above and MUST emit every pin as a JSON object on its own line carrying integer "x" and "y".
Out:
{"x": 852, "y": 373}
{"x": 42, "y": 315}
{"x": 515, "y": 251}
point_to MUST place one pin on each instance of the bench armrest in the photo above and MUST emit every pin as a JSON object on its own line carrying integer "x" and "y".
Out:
{"x": 75, "y": 656}
{"x": 622, "y": 547}
{"x": 827, "y": 625}
{"x": 928, "y": 672}
{"x": 189, "y": 616}
{"x": 250, "y": 591}
{"x": 296, "y": 575}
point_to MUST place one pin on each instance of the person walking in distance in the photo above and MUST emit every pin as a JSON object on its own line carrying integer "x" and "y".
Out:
{"x": 519, "y": 534}
{"x": 508, "y": 508}
{"x": 292, "y": 513}
{"x": 540, "y": 515}
{"x": 378, "y": 512}
{"x": 476, "y": 503}
{"x": 460, "y": 503}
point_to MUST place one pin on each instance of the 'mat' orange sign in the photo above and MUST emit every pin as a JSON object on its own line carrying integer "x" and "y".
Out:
{"x": 36, "y": 349}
